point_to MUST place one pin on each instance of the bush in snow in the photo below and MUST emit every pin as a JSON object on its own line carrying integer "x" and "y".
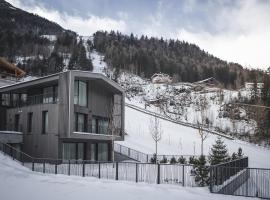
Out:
{"x": 173, "y": 160}
{"x": 164, "y": 160}
{"x": 182, "y": 160}
{"x": 218, "y": 153}
{"x": 192, "y": 160}
{"x": 154, "y": 158}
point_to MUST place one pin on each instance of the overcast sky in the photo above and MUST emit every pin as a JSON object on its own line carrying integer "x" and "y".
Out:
{"x": 236, "y": 30}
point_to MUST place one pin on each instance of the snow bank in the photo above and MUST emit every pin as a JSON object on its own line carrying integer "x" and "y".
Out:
{"x": 18, "y": 182}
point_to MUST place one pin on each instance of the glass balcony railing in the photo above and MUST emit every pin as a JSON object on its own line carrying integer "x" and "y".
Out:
{"x": 33, "y": 100}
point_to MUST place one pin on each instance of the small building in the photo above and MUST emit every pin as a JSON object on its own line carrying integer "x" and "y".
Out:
{"x": 69, "y": 115}
{"x": 250, "y": 86}
{"x": 161, "y": 78}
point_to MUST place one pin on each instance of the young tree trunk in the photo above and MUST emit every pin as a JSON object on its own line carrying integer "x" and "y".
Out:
{"x": 156, "y": 153}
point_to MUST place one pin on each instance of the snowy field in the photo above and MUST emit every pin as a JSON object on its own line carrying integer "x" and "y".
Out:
{"x": 183, "y": 140}
{"x": 18, "y": 182}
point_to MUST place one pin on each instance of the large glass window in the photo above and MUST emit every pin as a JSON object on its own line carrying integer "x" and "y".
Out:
{"x": 5, "y": 99}
{"x": 103, "y": 153}
{"x": 93, "y": 151}
{"x": 80, "y": 122}
{"x": 45, "y": 120}
{"x": 73, "y": 151}
{"x": 48, "y": 95}
{"x": 100, "y": 125}
{"x": 80, "y": 93}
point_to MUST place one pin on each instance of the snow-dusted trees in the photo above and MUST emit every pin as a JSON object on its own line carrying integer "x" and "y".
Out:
{"x": 219, "y": 153}
{"x": 156, "y": 131}
{"x": 203, "y": 135}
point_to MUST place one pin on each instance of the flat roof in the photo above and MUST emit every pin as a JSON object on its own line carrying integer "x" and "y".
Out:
{"x": 52, "y": 77}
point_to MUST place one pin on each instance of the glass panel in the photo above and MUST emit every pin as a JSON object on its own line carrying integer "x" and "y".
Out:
{"x": 82, "y": 94}
{"x": 94, "y": 125}
{"x": 80, "y": 151}
{"x": 69, "y": 151}
{"x": 103, "y": 126}
{"x": 48, "y": 95}
{"x": 45, "y": 121}
{"x": 76, "y": 92}
{"x": 5, "y": 99}
{"x": 93, "y": 152}
{"x": 103, "y": 152}
{"x": 81, "y": 120}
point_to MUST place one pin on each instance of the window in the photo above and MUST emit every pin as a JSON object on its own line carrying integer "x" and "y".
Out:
{"x": 80, "y": 122}
{"x": 73, "y": 151}
{"x": 103, "y": 153}
{"x": 48, "y": 95}
{"x": 29, "y": 122}
{"x": 80, "y": 93}
{"x": 5, "y": 99}
{"x": 93, "y": 151}
{"x": 45, "y": 122}
{"x": 17, "y": 121}
{"x": 100, "y": 125}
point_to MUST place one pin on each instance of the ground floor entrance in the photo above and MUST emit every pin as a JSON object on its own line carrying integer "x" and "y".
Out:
{"x": 94, "y": 151}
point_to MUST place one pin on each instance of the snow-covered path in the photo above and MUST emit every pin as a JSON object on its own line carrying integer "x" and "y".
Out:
{"x": 178, "y": 139}
{"x": 18, "y": 182}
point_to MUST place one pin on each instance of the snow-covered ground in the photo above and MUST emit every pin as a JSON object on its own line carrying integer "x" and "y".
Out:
{"x": 177, "y": 139}
{"x": 18, "y": 182}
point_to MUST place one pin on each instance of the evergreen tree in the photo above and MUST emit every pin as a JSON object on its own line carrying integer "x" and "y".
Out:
{"x": 182, "y": 160}
{"x": 240, "y": 153}
{"x": 219, "y": 153}
{"x": 201, "y": 171}
{"x": 192, "y": 160}
{"x": 154, "y": 158}
{"x": 234, "y": 156}
{"x": 173, "y": 160}
{"x": 164, "y": 160}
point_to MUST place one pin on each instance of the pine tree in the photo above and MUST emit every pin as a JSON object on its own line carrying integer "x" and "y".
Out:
{"x": 234, "y": 156}
{"x": 173, "y": 160}
{"x": 192, "y": 160}
{"x": 201, "y": 171}
{"x": 240, "y": 153}
{"x": 219, "y": 153}
{"x": 164, "y": 160}
{"x": 182, "y": 160}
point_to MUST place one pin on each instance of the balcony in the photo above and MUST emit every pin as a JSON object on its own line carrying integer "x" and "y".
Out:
{"x": 11, "y": 133}
{"x": 31, "y": 100}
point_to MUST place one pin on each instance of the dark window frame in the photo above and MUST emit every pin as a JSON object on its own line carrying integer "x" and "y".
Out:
{"x": 16, "y": 122}
{"x": 44, "y": 128}
{"x": 77, "y": 85}
{"x": 76, "y": 149}
{"x": 84, "y": 121}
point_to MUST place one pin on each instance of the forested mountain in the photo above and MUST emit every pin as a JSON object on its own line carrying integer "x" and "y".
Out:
{"x": 38, "y": 45}
{"x": 185, "y": 62}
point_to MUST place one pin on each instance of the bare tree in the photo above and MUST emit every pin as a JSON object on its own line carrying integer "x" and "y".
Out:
{"x": 204, "y": 121}
{"x": 155, "y": 131}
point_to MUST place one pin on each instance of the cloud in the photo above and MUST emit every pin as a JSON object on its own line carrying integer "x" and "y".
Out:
{"x": 83, "y": 26}
{"x": 236, "y": 31}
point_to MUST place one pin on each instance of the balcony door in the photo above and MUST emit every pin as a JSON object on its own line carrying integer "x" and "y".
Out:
{"x": 73, "y": 151}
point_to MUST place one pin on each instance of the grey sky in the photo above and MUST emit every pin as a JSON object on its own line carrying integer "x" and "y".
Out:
{"x": 236, "y": 31}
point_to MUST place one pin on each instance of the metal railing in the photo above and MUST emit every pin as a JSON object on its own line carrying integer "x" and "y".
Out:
{"x": 35, "y": 99}
{"x": 236, "y": 178}
{"x": 127, "y": 171}
{"x": 146, "y": 158}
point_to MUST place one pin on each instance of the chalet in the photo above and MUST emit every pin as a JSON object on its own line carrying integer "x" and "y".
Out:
{"x": 210, "y": 82}
{"x": 161, "y": 78}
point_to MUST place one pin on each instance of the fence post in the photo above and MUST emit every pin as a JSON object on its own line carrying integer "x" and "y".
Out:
{"x": 69, "y": 167}
{"x": 211, "y": 180}
{"x": 83, "y": 169}
{"x": 99, "y": 170}
{"x": 136, "y": 172}
{"x": 183, "y": 181}
{"x": 44, "y": 166}
{"x": 158, "y": 174}
{"x": 55, "y": 170}
{"x": 147, "y": 160}
{"x": 116, "y": 170}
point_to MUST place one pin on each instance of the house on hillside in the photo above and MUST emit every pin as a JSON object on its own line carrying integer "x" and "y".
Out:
{"x": 250, "y": 86}
{"x": 209, "y": 82}
{"x": 161, "y": 78}
{"x": 68, "y": 115}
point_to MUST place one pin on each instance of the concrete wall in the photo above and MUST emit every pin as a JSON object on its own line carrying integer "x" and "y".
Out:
{"x": 36, "y": 143}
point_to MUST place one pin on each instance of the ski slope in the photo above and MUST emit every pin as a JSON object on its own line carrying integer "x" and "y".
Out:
{"x": 18, "y": 182}
{"x": 177, "y": 139}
